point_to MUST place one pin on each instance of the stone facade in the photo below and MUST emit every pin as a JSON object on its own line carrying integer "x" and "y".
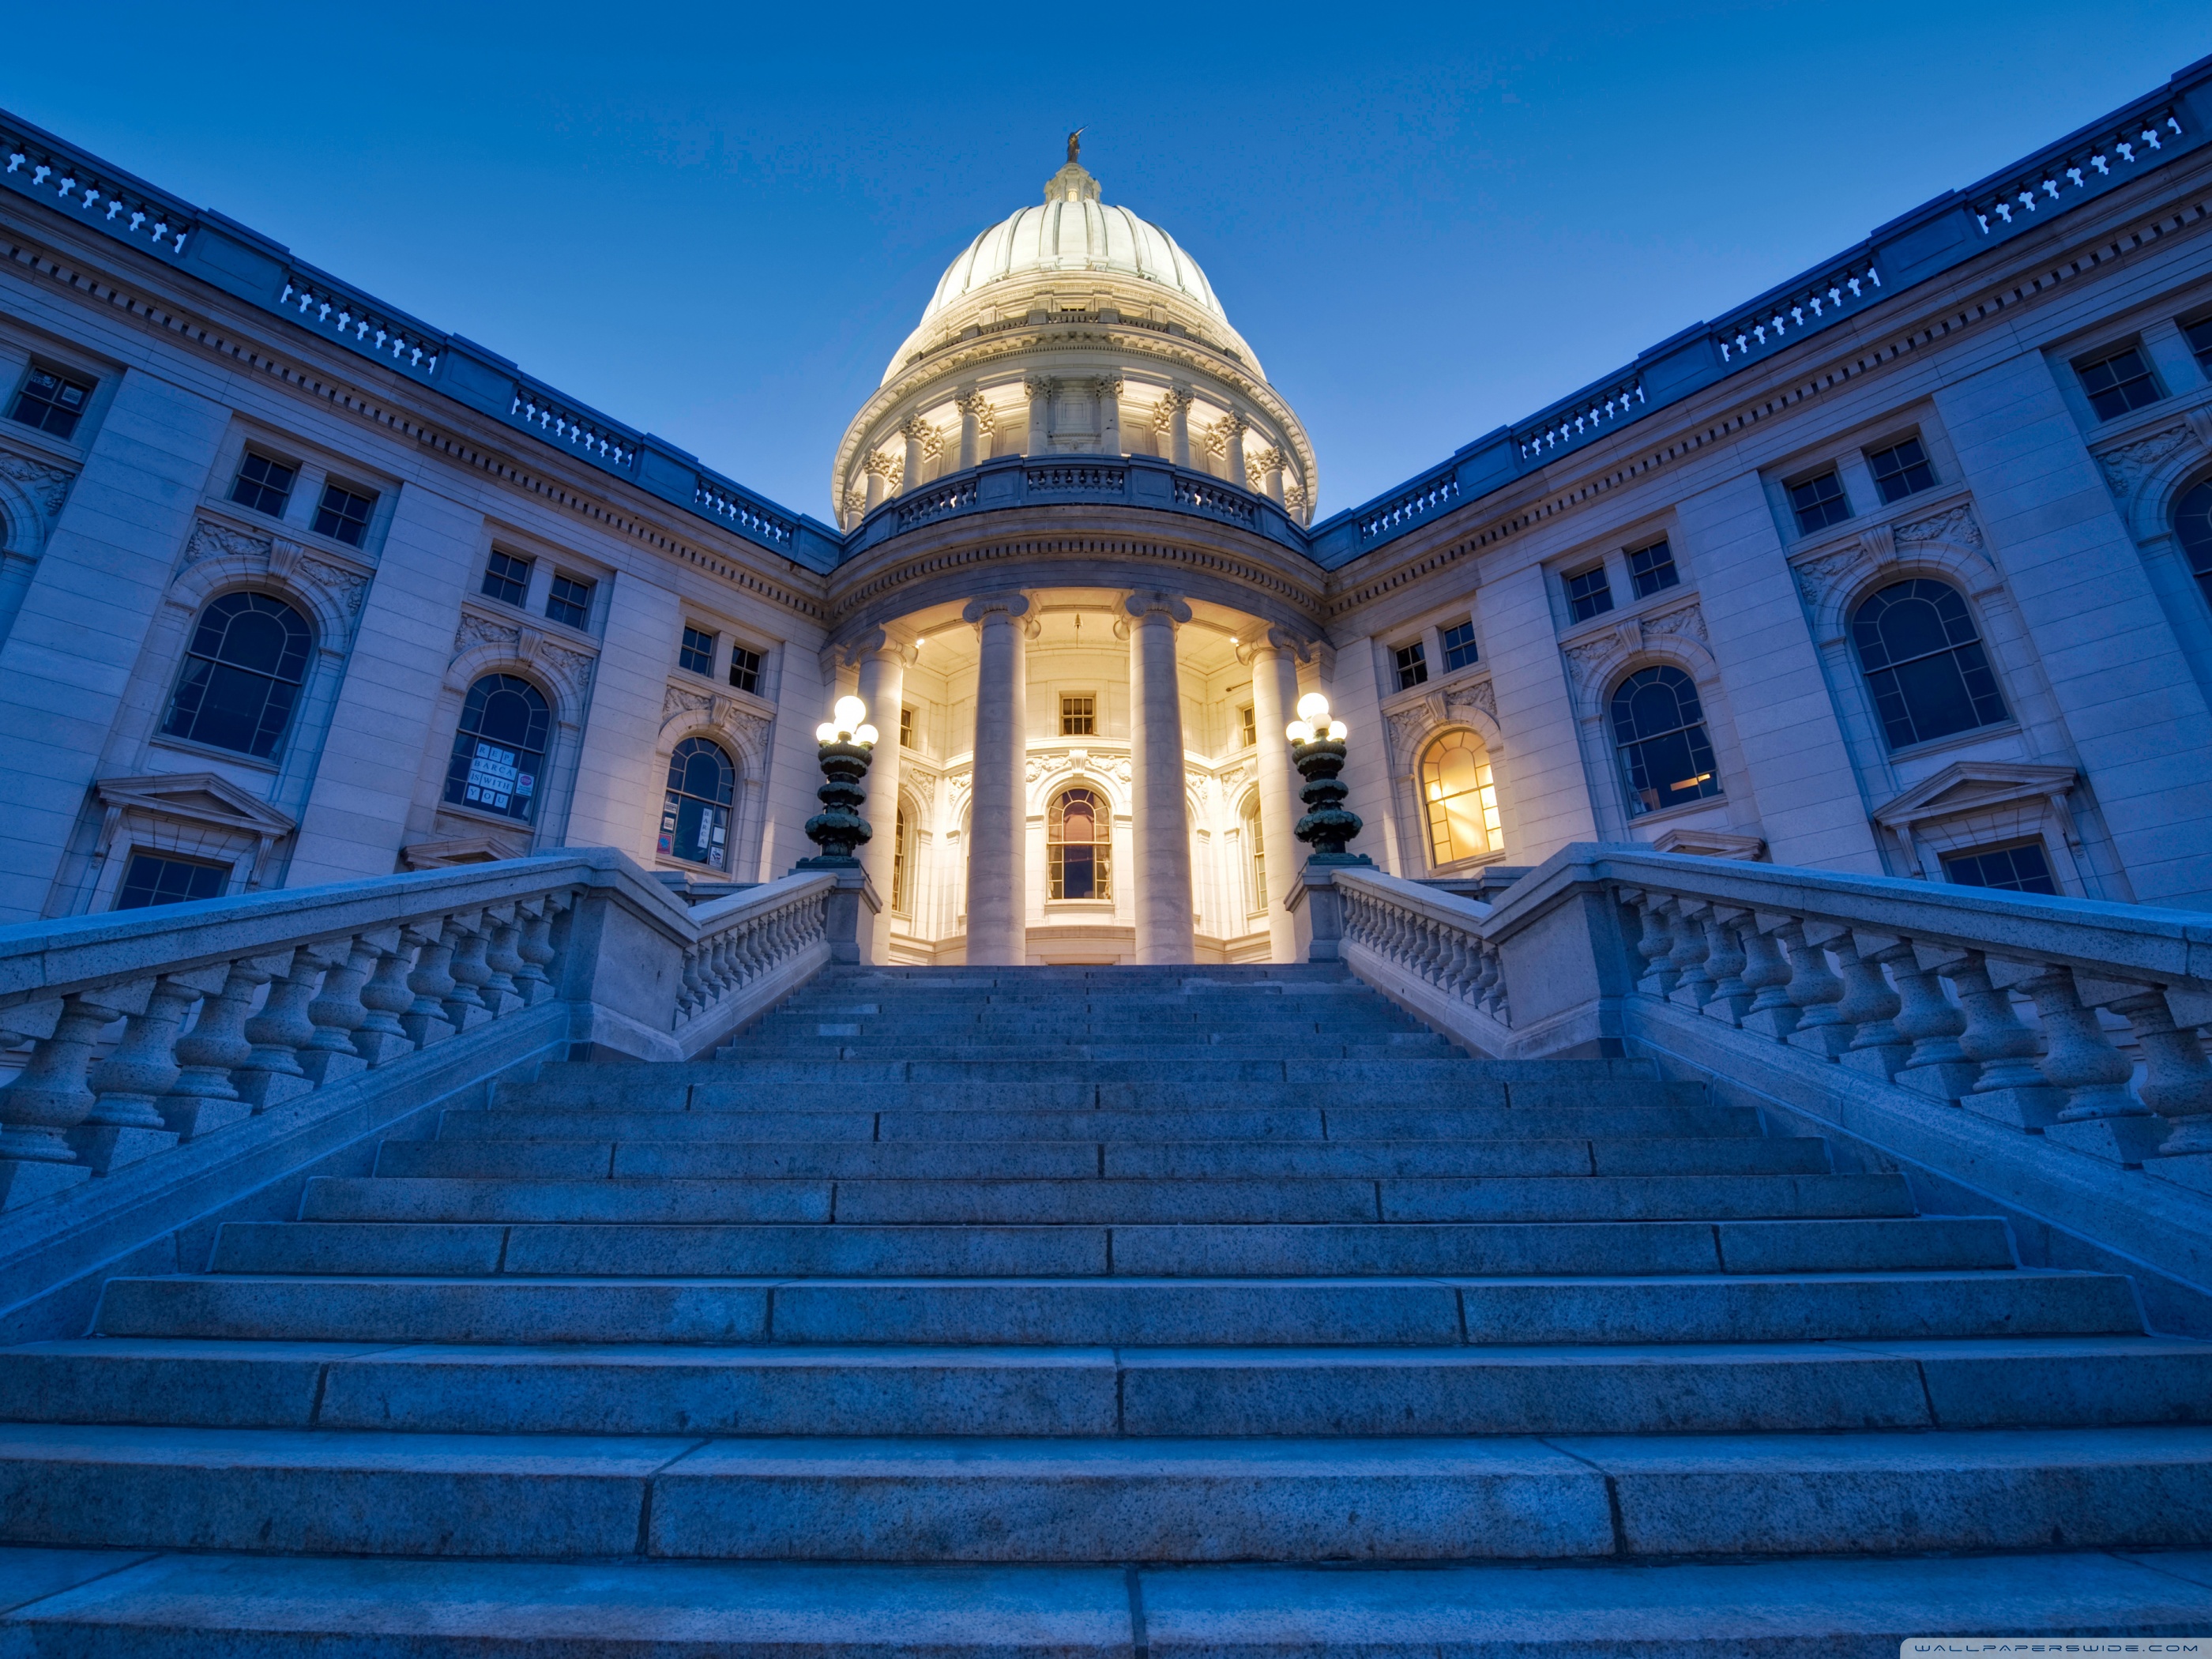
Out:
{"x": 1075, "y": 480}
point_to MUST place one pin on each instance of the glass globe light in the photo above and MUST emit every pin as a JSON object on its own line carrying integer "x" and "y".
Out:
{"x": 1298, "y": 732}
{"x": 1313, "y": 707}
{"x": 1336, "y": 731}
{"x": 866, "y": 734}
{"x": 825, "y": 732}
{"x": 849, "y": 713}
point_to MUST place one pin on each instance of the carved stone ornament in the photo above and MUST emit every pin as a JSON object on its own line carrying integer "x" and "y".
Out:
{"x": 1407, "y": 727}
{"x": 345, "y": 586}
{"x": 216, "y": 541}
{"x": 481, "y": 630}
{"x": 569, "y": 670}
{"x": 2125, "y": 468}
{"x": 1587, "y": 660}
{"x": 1459, "y": 699}
{"x": 1819, "y": 573}
{"x": 1684, "y": 622}
{"x": 1955, "y": 526}
{"x": 46, "y": 485}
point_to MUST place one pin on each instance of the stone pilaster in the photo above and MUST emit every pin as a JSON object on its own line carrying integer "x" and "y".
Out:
{"x": 1272, "y": 658}
{"x": 997, "y": 828}
{"x": 1161, "y": 844}
{"x": 882, "y": 657}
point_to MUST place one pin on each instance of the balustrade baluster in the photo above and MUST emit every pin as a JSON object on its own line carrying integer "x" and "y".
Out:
{"x": 1937, "y": 1067}
{"x": 2177, "y": 1082}
{"x": 1655, "y": 945}
{"x": 203, "y": 1098}
{"x": 1869, "y": 1004}
{"x": 1692, "y": 984}
{"x": 693, "y": 995}
{"x": 1821, "y": 1029}
{"x": 380, "y": 1038}
{"x": 2010, "y": 1088}
{"x": 1766, "y": 972}
{"x": 535, "y": 948}
{"x": 502, "y": 963}
{"x": 271, "y": 1073}
{"x": 2102, "y": 1116}
{"x": 1726, "y": 958}
{"x": 51, "y": 1095}
{"x": 425, "y": 1020}
{"x": 336, "y": 1013}
{"x": 466, "y": 1007}
{"x": 125, "y": 1124}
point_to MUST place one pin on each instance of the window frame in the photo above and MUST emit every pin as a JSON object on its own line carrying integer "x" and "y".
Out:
{"x": 1598, "y": 597}
{"x": 1411, "y": 661}
{"x": 1946, "y": 860}
{"x": 2196, "y": 550}
{"x": 352, "y": 493}
{"x": 267, "y": 457}
{"x": 536, "y": 798}
{"x": 191, "y": 654}
{"x": 1452, "y": 648}
{"x": 1926, "y": 464}
{"x": 686, "y": 650}
{"x": 1248, "y": 726}
{"x": 223, "y": 874}
{"x": 719, "y": 816}
{"x": 1700, "y": 722}
{"x": 66, "y": 377}
{"x": 1666, "y": 565}
{"x": 1432, "y": 800}
{"x": 590, "y": 588}
{"x": 1088, "y": 714}
{"x": 1101, "y": 844}
{"x": 1841, "y": 500}
{"x": 1898, "y": 682}
{"x": 492, "y": 573}
{"x": 906, "y": 725}
{"x": 2191, "y": 328}
{"x": 754, "y": 667}
{"x": 2104, "y": 355}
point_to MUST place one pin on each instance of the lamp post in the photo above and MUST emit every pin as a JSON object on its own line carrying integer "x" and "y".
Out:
{"x": 1317, "y": 750}
{"x": 847, "y": 745}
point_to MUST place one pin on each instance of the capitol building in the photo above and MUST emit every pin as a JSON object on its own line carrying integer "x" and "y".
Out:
{"x": 1902, "y": 568}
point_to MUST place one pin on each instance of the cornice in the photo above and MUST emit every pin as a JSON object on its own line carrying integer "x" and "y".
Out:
{"x": 1946, "y": 310}
{"x": 146, "y": 307}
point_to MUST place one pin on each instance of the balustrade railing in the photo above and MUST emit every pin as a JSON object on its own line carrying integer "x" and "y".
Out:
{"x": 1435, "y": 937}
{"x": 141, "y": 1030}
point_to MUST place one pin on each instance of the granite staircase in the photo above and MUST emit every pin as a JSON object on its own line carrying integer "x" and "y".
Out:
{"x": 1170, "y": 1311}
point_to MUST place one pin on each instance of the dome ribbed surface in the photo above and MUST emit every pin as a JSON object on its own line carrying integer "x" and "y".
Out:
{"x": 1077, "y": 235}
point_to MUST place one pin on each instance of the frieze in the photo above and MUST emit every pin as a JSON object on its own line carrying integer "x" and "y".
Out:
{"x": 1685, "y": 622}
{"x": 1478, "y": 694}
{"x": 1954, "y": 527}
{"x": 2126, "y": 467}
{"x": 48, "y": 485}
{"x": 215, "y": 541}
{"x": 1817, "y": 575}
{"x": 345, "y": 586}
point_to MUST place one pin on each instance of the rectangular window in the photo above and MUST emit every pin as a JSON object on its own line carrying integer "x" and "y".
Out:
{"x": 1819, "y": 502}
{"x": 569, "y": 601}
{"x": 906, "y": 728}
{"x": 745, "y": 668}
{"x": 698, "y": 652}
{"x": 152, "y": 879}
{"x": 1459, "y": 645}
{"x": 2117, "y": 382}
{"x": 1652, "y": 569}
{"x": 344, "y": 514}
{"x": 2198, "y": 334}
{"x": 506, "y": 578}
{"x": 52, "y": 402}
{"x": 263, "y": 485}
{"x": 1588, "y": 593}
{"x": 2021, "y": 868}
{"x": 1079, "y": 717}
{"x": 1413, "y": 665}
{"x": 1248, "y": 726}
{"x": 1901, "y": 469}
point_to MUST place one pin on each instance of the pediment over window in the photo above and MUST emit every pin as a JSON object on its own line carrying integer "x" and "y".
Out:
{"x": 1975, "y": 787}
{"x": 202, "y": 798}
{"x": 1710, "y": 843}
{"x": 461, "y": 849}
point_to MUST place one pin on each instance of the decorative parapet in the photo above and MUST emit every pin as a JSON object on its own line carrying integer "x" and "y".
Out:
{"x": 105, "y": 197}
{"x": 1586, "y": 415}
{"x": 1429, "y": 495}
{"x": 2043, "y": 183}
{"x": 1797, "y": 308}
{"x": 741, "y": 508}
{"x": 332, "y": 307}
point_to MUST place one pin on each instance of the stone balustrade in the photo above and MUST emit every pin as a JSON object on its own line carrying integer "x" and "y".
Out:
{"x": 141, "y": 1029}
{"x": 1435, "y": 937}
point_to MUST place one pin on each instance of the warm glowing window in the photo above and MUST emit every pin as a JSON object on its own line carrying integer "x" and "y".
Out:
{"x": 1255, "y": 861}
{"x": 902, "y": 863}
{"x": 1079, "y": 717}
{"x": 1460, "y": 797}
{"x": 1078, "y": 835}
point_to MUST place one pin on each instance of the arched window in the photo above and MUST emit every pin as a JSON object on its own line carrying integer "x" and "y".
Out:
{"x": 499, "y": 753}
{"x": 2192, "y": 528}
{"x": 242, "y": 674}
{"x": 1460, "y": 797}
{"x": 1078, "y": 837}
{"x": 1659, "y": 727}
{"x": 902, "y": 865}
{"x": 1925, "y": 662}
{"x": 694, "y": 814}
{"x": 1256, "y": 860}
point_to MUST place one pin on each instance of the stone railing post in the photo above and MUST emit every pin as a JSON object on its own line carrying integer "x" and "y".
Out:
{"x": 1726, "y": 958}
{"x": 2010, "y": 1089}
{"x": 1814, "y": 990}
{"x": 425, "y": 1021}
{"x": 1869, "y": 1006}
{"x": 272, "y": 1073}
{"x": 1937, "y": 1066}
{"x": 48, "y": 1099}
{"x": 1767, "y": 972}
{"x": 126, "y": 1124}
{"x": 203, "y": 1098}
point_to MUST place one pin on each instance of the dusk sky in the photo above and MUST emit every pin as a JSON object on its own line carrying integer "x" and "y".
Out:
{"x": 717, "y": 224}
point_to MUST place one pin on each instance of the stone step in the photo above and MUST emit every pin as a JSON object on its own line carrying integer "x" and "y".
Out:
{"x": 1106, "y": 1201}
{"x": 1063, "y": 1159}
{"x": 854, "y": 1049}
{"x": 416, "y": 1248}
{"x": 1124, "y": 1309}
{"x": 635, "y": 1388}
{"x": 928, "y": 1020}
{"x": 1288, "y": 1499}
{"x": 125, "y": 1605}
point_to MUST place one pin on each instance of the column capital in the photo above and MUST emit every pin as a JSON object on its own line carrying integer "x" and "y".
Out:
{"x": 1107, "y": 385}
{"x": 1276, "y": 638}
{"x": 1177, "y": 397}
{"x": 1233, "y": 425}
{"x": 891, "y": 640}
{"x": 1142, "y": 605}
{"x": 1039, "y": 386}
{"x": 1014, "y": 605}
{"x": 974, "y": 404}
{"x": 881, "y": 466}
{"x": 916, "y": 428}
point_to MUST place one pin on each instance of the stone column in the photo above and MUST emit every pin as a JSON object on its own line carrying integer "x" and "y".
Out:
{"x": 1232, "y": 432}
{"x": 1178, "y": 402}
{"x": 1275, "y": 698}
{"x": 917, "y": 432}
{"x": 973, "y": 411}
{"x": 883, "y": 656}
{"x": 1107, "y": 390}
{"x": 878, "y": 470}
{"x": 998, "y": 827}
{"x": 1040, "y": 390}
{"x": 1271, "y": 463}
{"x": 1161, "y": 845}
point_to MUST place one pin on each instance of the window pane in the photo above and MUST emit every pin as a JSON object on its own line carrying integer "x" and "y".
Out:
{"x": 263, "y": 485}
{"x": 2199, "y": 336}
{"x": 1924, "y": 664}
{"x": 1901, "y": 469}
{"x": 149, "y": 878}
{"x": 2117, "y": 383}
{"x": 242, "y": 674}
{"x": 1652, "y": 569}
{"x": 506, "y": 578}
{"x": 1413, "y": 665}
{"x": 569, "y": 601}
{"x": 1588, "y": 593}
{"x": 51, "y": 402}
{"x": 500, "y": 749}
{"x": 697, "y": 653}
{"x": 1461, "y": 802}
{"x": 2019, "y": 869}
{"x": 1819, "y": 502}
{"x": 1459, "y": 646}
{"x": 343, "y": 515}
{"x": 1658, "y": 727}
{"x": 1079, "y": 717}
{"x": 745, "y": 668}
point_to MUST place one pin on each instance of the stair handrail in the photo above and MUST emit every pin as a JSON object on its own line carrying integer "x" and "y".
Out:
{"x": 143, "y": 1028}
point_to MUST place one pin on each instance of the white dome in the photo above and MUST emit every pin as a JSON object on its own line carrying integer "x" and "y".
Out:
{"x": 1073, "y": 230}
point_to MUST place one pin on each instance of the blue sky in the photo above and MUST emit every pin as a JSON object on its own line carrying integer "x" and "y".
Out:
{"x": 717, "y": 223}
